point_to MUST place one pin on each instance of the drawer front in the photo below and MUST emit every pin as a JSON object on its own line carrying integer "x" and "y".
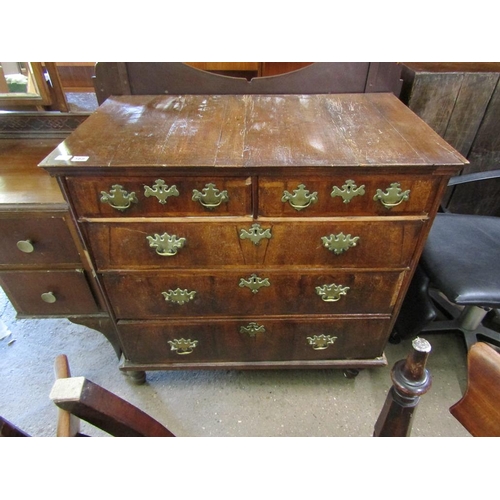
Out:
{"x": 36, "y": 241}
{"x": 43, "y": 293}
{"x": 253, "y": 339}
{"x": 149, "y": 295}
{"x": 312, "y": 196}
{"x": 161, "y": 245}
{"x": 161, "y": 197}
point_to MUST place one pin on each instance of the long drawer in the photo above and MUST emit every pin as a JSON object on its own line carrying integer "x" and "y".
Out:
{"x": 207, "y": 244}
{"x": 252, "y": 339}
{"x": 215, "y": 293}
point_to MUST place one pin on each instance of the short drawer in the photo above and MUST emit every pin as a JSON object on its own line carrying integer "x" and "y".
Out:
{"x": 159, "y": 245}
{"x": 154, "y": 295}
{"x": 352, "y": 194}
{"x": 161, "y": 196}
{"x": 253, "y": 339}
{"x": 47, "y": 293}
{"x": 36, "y": 241}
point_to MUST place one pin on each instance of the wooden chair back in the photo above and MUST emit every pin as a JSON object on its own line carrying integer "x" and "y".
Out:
{"x": 160, "y": 78}
{"x": 479, "y": 409}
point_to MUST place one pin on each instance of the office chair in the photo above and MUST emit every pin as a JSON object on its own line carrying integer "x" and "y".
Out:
{"x": 457, "y": 281}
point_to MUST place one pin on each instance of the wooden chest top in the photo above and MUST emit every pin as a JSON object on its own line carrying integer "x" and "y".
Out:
{"x": 247, "y": 131}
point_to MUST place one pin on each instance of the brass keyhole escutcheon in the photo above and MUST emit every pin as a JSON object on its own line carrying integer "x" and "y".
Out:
{"x": 348, "y": 192}
{"x": 254, "y": 283}
{"x": 161, "y": 191}
{"x": 255, "y": 234}
{"x": 252, "y": 329}
{"x": 26, "y": 246}
{"x": 118, "y": 198}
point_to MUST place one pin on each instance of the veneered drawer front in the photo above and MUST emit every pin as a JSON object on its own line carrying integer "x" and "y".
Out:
{"x": 150, "y": 295}
{"x": 368, "y": 244}
{"x": 44, "y": 241}
{"x": 253, "y": 339}
{"x": 96, "y": 197}
{"x": 49, "y": 292}
{"x": 314, "y": 198}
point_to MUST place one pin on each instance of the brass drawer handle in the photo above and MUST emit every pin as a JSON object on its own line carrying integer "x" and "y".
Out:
{"x": 393, "y": 196}
{"x": 254, "y": 283}
{"x": 179, "y": 296}
{"x": 339, "y": 243}
{"x": 26, "y": 246}
{"x": 348, "y": 192}
{"x": 118, "y": 198}
{"x": 255, "y": 234}
{"x": 300, "y": 198}
{"x": 49, "y": 297}
{"x": 210, "y": 197}
{"x": 161, "y": 191}
{"x": 183, "y": 346}
{"x": 252, "y": 329}
{"x": 165, "y": 244}
{"x": 321, "y": 342}
{"x": 331, "y": 293}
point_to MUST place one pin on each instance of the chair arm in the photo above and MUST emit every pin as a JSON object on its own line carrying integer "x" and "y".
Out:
{"x": 476, "y": 176}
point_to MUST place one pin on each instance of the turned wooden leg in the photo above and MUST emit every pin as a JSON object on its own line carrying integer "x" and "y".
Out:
{"x": 410, "y": 380}
{"x": 138, "y": 377}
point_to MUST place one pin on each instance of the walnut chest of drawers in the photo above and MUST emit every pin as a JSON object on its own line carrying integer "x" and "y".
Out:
{"x": 263, "y": 231}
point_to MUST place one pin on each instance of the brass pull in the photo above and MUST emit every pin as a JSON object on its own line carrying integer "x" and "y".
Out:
{"x": 255, "y": 234}
{"x": 183, "y": 346}
{"x": 161, "y": 191}
{"x": 348, "y": 192}
{"x": 118, "y": 198}
{"x": 25, "y": 246}
{"x": 210, "y": 197}
{"x": 254, "y": 283}
{"x": 393, "y": 196}
{"x": 179, "y": 296}
{"x": 300, "y": 198}
{"x": 252, "y": 329}
{"x": 48, "y": 297}
{"x": 331, "y": 293}
{"x": 166, "y": 245}
{"x": 339, "y": 243}
{"x": 321, "y": 342}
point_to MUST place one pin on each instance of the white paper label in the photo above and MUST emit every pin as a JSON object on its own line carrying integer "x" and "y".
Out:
{"x": 80, "y": 158}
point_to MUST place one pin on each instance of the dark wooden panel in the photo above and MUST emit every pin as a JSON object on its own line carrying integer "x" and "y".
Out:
{"x": 179, "y": 78}
{"x": 222, "y": 340}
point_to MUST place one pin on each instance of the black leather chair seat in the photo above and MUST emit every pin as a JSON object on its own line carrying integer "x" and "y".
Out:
{"x": 465, "y": 275}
